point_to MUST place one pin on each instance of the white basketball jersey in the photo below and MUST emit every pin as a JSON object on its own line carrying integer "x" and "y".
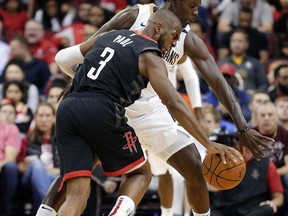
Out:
{"x": 151, "y": 120}
{"x": 171, "y": 57}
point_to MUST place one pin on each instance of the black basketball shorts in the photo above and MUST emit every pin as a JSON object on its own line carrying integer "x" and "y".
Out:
{"x": 88, "y": 128}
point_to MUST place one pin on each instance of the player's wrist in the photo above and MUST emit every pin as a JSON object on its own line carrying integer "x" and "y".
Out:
{"x": 243, "y": 130}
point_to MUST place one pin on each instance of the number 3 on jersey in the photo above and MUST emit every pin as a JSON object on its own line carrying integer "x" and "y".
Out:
{"x": 91, "y": 73}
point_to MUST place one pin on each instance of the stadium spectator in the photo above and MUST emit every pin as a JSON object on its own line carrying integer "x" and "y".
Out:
{"x": 40, "y": 166}
{"x": 14, "y": 90}
{"x": 251, "y": 70}
{"x": 280, "y": 87}
{"x": 41, "y": 47}
{"x": 36, "y": 71}
{"x": 5, "y": 49}
{"x": 9, "y": 148}
{"x": 14, "y": 18}
{"x": 258, "y": 43}
{"x": 262, "y": 15}
{"x": 257, "y": 98}
{"x": 268, "y": 125}
{"x": 229, "y": 73}
{"x": 198, "y": 28}
{"x": 281, "y": 104}
{"x": 113, "y": 5}
{"x": 15, "y": 71}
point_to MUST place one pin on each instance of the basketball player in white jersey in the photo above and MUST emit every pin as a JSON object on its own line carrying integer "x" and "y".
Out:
{"x": 151, "y": 120}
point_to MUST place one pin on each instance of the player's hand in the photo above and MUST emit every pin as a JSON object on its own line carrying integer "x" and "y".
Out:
{"x": 225, "y": 152}
{"x": 256, "y": 142}
{"x": 270, "y": 203}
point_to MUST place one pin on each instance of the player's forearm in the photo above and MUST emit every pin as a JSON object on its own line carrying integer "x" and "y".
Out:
{"x": 227, "y": 97}
{"x": 224, "y": 93}
{"x": 277, "y": 199}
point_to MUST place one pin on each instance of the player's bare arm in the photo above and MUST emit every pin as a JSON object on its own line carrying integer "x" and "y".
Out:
{"x": 153, "y": 67}
{"x": 196, "y": 49}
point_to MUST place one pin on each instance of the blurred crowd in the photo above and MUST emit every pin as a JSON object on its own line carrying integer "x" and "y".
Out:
{"x": 247, "y": 38}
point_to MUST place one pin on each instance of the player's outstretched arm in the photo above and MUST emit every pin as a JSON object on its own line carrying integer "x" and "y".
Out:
{"x": 70, "y": 57}
{"x": 153, "y": 67}
{"x": 196, "y": 49}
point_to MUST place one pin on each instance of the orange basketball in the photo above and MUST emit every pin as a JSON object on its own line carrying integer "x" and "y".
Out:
{"x": 222, "y": 176}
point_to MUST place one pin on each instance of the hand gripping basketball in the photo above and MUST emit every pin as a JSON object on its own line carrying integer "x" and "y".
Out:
{"x": 222, "y": 176}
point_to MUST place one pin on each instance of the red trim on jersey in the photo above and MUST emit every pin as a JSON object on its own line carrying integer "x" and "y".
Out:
{"x": 144, "y": 36}
{"x": 125, "y": 169}
{"x": 80, "y": 173}
{"x": 273, "y": 179}
{"x": 117, "y": 207}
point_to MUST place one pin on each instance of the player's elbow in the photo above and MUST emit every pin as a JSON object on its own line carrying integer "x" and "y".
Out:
{"x": 61, "y": 58}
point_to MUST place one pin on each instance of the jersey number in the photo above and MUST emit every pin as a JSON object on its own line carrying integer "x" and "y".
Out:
{"x": 91, "y": 73}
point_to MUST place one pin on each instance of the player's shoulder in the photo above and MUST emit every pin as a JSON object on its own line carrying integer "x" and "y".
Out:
{"x": 131, "y": 11}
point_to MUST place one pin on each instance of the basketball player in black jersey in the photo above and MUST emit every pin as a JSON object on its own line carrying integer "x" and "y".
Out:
{"x": 187, "y": 10}
{"x": 91, "y": 121}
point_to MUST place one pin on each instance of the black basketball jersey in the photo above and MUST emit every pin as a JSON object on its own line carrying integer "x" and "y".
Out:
{"x": 111, "y": 66}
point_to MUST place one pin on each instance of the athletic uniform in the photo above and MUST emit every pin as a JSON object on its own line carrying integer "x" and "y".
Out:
{"x": 91, "y": 119}
{"x": 151, "y": 120}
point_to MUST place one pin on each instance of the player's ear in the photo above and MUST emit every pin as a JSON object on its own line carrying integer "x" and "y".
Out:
{"x": 159, "y": 28}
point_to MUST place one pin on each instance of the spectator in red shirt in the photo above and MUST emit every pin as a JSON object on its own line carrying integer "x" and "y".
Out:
{"x": 36, "y": 70}
{"x": 14, "y": 18}
{"x": 41, "y": 47}
{"x": 268, "y": 125}
{"x": 9, "y": 148}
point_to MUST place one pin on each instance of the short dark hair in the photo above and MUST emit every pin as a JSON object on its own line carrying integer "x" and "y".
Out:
{"x": 278, "y": 68}
{"x": 7, "y": 101}
{"x": 241, "y": 31}
{"x": 246, "y": 10}
{"x": 15, "y": 61}
{"x": 21, "y": 39}
{"x": 14, "y": 82}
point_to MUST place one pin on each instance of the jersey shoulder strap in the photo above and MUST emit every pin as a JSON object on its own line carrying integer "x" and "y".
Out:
{"x": 145, "y": 10}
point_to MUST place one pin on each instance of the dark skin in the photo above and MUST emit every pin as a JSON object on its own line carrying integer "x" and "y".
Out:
{"x": 187, "y": 160}
{"x": 187, "y": 10}
{"x": 153, "y": 68}
{"x": 194, "y": 47}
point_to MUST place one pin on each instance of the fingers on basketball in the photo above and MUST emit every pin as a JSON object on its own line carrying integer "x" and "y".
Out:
{"x": 222, "y": 176}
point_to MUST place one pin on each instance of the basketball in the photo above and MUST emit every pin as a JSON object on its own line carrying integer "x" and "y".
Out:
{"x": 222, "y": 176}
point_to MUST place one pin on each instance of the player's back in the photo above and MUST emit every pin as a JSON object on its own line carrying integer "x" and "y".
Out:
{"x": 111, "y": 66}
{"x": 171, "y": 57}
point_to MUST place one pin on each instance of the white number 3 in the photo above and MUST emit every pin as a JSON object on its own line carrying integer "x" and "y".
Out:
{"x": 91, "y": 73}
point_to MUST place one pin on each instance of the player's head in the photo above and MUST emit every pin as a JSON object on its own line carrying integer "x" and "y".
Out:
{"x": 165, "y": 28}
{"x": 185, "y": 10}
